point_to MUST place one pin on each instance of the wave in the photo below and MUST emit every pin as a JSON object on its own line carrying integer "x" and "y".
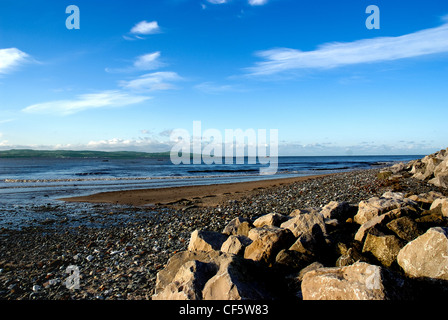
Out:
{"x": 223, "y": 170}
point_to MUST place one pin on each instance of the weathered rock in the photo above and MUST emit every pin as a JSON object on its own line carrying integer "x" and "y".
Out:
{"x": 311, "y": 267}
{"x": 405, "y": 228}
{"x": 382, "y": 220}
{"x": 304, "y": 223}
{"x": 166, "y": 276}
{"x": 206, "y": 240}
{"x": 432, "y": 168}
{"x": 238, "y": 226}
{"x": 384, "y": 247}
{"x": 297, "y": 212}
{"x": 211, "y": 275}
{"x": 376, "y": 206}
{"x": 188, "y": 282}
{"x": 427, "y": 255}
{"x": 292, "y": 260}
{"x": 441, "y": 203}
{"x": 311, "y": 243}
{"x": 267, "y": 243}
{"x": 236, "y": 279}
{"x": 336, "y": 210}
{"x": 349, "y": 257}
{"x": 236, "y": 244}
{"x": 359, "y": 281}
{"x": 271, "y": 219}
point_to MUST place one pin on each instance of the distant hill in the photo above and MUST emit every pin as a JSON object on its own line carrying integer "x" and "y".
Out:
{"x": 28, "y": 153}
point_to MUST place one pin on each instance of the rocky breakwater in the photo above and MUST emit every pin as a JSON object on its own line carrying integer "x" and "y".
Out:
{"x": 390, "y": 247}
{"x": 432, "y": 169}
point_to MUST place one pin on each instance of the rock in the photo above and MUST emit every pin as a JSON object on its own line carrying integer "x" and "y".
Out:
{"x": 297, "y": 212}
{"x": 441, "y": 203}
{"x": 384, "y": 247}
{"x": 166, "y": 276}
{"x": 267, "y": 243}
{"x": 206, "y": 240}
{"x": 349, "y": 257}
{"x": 405, "y": 228}
{"x": 311, "y": 267}
{"x": 427, "y": 255}
{"x": 384, "y": 175}
{"x": 376, "y": 206}
{"x": 359, "y": 281}
{"x": 188, "y": 282}
{"x": 311, "y": 243}
{"x": 271, "y": 219}
{"x": 236, "y": 279}
{"x": 432, "y": 168}
{"x": 238, "y": 226}
{"x": 236, "y": 244}
{"x": 292, "y": 260}
{"x": 211, "y": 275}
{"x": 304, "y": 223}
{"x": 336, "y": 210}
{"x": 383, "y": 220}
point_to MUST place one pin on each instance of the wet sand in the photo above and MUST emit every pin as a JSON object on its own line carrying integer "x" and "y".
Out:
{"x": 177, "y": 197}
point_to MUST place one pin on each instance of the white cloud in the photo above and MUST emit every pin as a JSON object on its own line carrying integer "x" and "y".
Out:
{"x": 152, "y": 81}
{"x": 145, "y": 27}
{"x": 110, "y": 98}
{"x": 332, "y": 55}
{"x": 217, "y": 1}
{"x": 257, "y": 2}
{"x": 11, "y": 58}
{"x": 148, "y": 61}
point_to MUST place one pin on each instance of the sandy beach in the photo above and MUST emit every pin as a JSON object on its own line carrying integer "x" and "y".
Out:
{"x": 179, "y": 197}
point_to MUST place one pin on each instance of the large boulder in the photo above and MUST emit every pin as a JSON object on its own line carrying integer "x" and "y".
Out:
{"x": 236, "y": 244}
{"x": 238, "y": 226}
{"x": 384, "y": 247}
{"x": 443, "y": 204}
{"x": 426, "y": 256}
{"x": 188, "y": 282}
{"x": 236, "y": 279}
{"x": 201, "y": 240}
{"x": 267, "y": 243}
{"x": 168, "y": 275}
{"x": 376, "y": 206}
{"x": 336, "y": 210}
{"x": 304, "y": 223}
{"x": 271, "y": 219}
{"x": 212, "y": 275}
{"x": 359, "y": 281}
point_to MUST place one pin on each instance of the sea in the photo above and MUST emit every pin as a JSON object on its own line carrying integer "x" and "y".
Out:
{"x": 30, "y": 187}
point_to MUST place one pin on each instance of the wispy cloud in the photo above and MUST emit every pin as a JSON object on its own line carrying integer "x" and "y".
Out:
{"x": 152, "y": 81}
{"x": 148, "y": 61}
{"x": 104, "y": 99}
{"x": 11, "y": 58}
{"x": 332, "y": 55}
{"x": 217, "y": 1}
{"x": 257, "y": 2}
{"x": 213, "y": 88}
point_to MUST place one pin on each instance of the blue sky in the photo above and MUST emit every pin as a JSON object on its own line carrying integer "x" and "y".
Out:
{"x": 136, "y": 70}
